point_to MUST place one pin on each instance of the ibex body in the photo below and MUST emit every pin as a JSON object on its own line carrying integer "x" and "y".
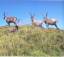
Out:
{"x": 11, "y": 19}
{"x": 50, "y": 21}
{"x": 36, "y": 22}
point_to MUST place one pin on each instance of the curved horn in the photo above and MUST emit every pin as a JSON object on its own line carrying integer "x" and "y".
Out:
{"x": 46, "y": 13}
{"x": 30, "y": 14}
{"x": 4, "y": 15}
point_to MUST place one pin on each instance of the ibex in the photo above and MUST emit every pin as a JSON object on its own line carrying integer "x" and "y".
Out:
{"x": 10, "y": 19}
{"x": 50, "y": 21}
{"x": 36, "y": 22}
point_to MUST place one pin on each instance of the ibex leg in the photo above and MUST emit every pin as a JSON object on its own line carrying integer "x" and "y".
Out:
{"x": 56, "y": 26}
{"x": 47, "y": 25}
{"x": 16, "y": 26}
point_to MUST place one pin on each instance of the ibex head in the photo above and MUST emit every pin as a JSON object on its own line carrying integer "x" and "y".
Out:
{"x": 32, "y": 16}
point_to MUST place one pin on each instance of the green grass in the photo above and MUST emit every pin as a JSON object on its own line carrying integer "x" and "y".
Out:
{"x": 31, "y": 41}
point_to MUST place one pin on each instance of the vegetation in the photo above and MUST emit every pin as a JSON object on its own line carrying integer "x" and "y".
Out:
{"x": 31, "y": 41}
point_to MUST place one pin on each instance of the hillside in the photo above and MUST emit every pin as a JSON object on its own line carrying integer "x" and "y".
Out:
{"x": 31, "y": 41}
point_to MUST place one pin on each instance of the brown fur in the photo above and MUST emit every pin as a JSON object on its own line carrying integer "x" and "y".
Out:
{"x": 48, "y": 22}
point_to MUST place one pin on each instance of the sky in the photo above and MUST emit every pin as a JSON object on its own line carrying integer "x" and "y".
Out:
{"x": 22, "y": 8}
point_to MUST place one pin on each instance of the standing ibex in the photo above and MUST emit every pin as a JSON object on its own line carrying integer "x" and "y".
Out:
{"x": 10, "y": 19}
{"x": 36, "y": 22}
{"x": 50, "y": 21}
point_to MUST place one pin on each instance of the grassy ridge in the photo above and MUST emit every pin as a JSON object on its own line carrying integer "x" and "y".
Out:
{"x": 31, "y": 41}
